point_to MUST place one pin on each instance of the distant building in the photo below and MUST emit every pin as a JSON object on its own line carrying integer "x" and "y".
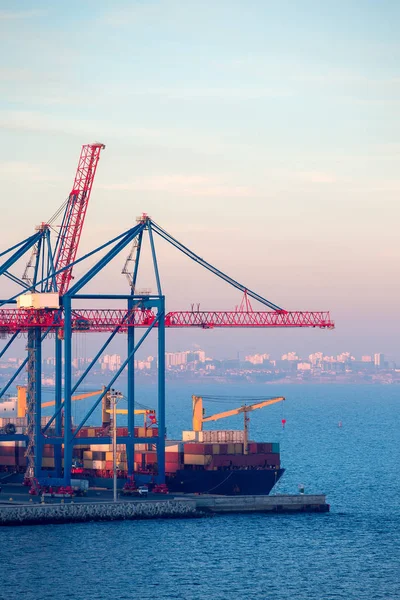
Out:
{"x": 316, "y": 358}
{"x": 110, "y": 362}
{"x": 379, "y": 359}
{"x": 290, "y": 356}
{"x": 366, "y": 359}
{"x": 176, "y": 359}
{"x": 345, "y": 357}
{"x": 256, "y": 359}
{"x": 201, "y": 355}
{"x": 304, "y": 366}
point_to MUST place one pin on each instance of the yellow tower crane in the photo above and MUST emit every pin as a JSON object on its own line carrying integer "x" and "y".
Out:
{"x": 198, "y": 417}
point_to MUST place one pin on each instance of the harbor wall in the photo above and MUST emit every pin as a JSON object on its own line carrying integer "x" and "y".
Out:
{"x": 278, "y": 504}
{"x": 96, "y": 511}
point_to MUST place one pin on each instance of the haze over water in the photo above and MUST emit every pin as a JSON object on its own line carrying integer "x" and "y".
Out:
{"x": 352, "y": 553}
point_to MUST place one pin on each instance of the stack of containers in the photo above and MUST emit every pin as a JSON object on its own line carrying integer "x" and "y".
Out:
{"x": 217, "y": 455}
{"x": 214, "y": 436}
{"x": 12, "y": 454}
{"x": 173, "y": 456}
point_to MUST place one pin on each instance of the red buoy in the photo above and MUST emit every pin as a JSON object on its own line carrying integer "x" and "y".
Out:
{"x": 283, "y": 423}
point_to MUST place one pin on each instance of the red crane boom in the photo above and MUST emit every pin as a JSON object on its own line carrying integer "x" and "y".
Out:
{"x": 92, "y": 320}
{"x": 74, "y": 216}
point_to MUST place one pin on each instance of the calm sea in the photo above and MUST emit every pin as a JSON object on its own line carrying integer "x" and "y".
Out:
{"x": 351, "y": 553}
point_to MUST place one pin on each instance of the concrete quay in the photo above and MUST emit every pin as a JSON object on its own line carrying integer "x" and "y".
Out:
{"x": 165, "y": 508}
{"x": 285, "y": 503}
{"x": 39, "y": 514}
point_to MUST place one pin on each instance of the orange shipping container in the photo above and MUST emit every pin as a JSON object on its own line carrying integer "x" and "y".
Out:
{"x": 197, "y": 459}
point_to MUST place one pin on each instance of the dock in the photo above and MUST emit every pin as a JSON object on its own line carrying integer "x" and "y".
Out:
{"x": 284, "y": 503}
{"x": 167, "y": 508}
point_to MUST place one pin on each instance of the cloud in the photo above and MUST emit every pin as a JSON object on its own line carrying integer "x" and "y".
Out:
{"x": 31, "y": 172}
{"x": 226, "y": 93}
{"x": 183, "y": 185}
{"x": 318, "y": 177}
{"x": 38, "y": 122}
{"x": 13, "y": 15}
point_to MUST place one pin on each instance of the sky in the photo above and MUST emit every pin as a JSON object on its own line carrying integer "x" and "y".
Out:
{"x": 263, "y": 135}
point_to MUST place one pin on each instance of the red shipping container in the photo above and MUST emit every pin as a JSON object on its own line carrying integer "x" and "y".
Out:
{"x": 172, "y": 457}
{"x": 171, "y": 467}
{"x": 197, "y": 448}
{"x": 150, "y": 458}
{"x": 8, "y": 461}
{"x": 7, "y": 451}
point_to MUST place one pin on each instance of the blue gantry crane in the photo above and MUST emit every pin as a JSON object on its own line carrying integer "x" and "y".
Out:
{"x": 46, "y": 304}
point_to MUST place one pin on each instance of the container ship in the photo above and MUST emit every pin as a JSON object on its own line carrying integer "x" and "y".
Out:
{"x": 222, "y": 462}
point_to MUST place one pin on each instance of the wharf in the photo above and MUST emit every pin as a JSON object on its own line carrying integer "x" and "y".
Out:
{"x": 282, "y": 503}
{"x": 78, "y": 512}
{"x": 171, "y": 507}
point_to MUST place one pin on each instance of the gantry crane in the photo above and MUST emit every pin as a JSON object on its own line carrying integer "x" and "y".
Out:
{"x": 198, "y": 415}
{"x": 145, "y": 310}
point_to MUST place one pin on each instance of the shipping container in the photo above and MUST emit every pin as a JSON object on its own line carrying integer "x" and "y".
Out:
{"x": 173, "y": 457}
{"x": 198, "y": 448}
{"x": 99, "y": 464}
{"x": 171, "y": 468}
{"x": 197, "y": 459}
{"x": 8, "y": 461}
{"x": 8, "y": 451}
{"x": 99, "y": 455}
{"x": 101, "y": 447}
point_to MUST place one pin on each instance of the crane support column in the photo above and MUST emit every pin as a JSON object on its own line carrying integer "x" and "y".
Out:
{"x": 161, "y": 391}
{"x": 58, "y": 399}
{"x": 38, "y": 400}
{"x": 131, "y": 394}
{"x": 68, "y": 387}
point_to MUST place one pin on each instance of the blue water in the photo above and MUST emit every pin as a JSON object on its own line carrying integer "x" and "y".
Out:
{"x": 351, "y": 553}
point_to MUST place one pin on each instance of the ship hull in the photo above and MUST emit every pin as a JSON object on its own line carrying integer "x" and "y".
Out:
{"x": 227, "y": 483}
